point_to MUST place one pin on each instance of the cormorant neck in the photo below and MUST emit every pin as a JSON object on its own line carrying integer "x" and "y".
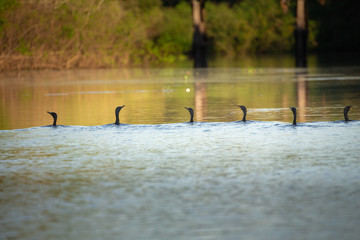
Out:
{"x": 117, "y": 122}
{"x": 294, "y": 113}
{"x": 54, "y": 115}
{"x": 346, "y": 111}
{"x": 244, "y": 112}
{"x": 191, "y": 111}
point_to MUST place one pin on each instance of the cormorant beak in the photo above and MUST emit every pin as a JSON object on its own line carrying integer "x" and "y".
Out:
{"x": 51, "y": 113}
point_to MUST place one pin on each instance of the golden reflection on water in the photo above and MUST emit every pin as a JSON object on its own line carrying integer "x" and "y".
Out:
{"x": 301, "y": 96}
{"x": 200, "y": 96}
{"x": 157, "y": 96}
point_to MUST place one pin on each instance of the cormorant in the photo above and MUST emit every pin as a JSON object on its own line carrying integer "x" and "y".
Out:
{"x": 346, "y": 111}
{"x": 243, "y": 108}
{"x": 294, "y": 112}
{"x": 117, "y": 111}
{"x": 54, "y": 115}
{"x": 191, "y": 111}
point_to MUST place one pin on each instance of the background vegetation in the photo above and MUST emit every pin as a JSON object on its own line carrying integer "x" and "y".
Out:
{"x": 110, "y": 33}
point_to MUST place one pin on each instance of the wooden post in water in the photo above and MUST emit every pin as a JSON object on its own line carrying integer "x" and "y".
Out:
{"x": 301, "y": 33}
{"x": 199, "y": 36}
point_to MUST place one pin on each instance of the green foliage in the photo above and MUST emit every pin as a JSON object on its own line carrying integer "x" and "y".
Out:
{"x": 23, "y": 48}
{"x": 67, "y": 31}
{"x": 127, "y": 32}
{"x": 251, "y": 26}
{"x": 5, "y": 6}
{"x": 228, "y": 32}
{"x": 175, "y": 37}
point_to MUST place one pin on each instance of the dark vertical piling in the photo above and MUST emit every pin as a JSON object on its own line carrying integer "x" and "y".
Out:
{"x": 199, "y": 36}
{"x": 301, "y": 33}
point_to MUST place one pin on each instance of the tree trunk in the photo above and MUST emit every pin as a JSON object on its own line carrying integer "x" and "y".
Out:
{"x": 199, "y": 37}
{"x": 301, "y": 33}
{"x": 284, "y": 6}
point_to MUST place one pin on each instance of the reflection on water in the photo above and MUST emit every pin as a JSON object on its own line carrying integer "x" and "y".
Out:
{"x": 301, "y": 96}
{"x": 200, "y": 96}
{"x": 158, "y": 96}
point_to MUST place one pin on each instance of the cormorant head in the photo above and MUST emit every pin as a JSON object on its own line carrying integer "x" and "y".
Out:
{"x": 243, "y": 108}
{"x": 347, "y": 108}
{"x": 54, "y": 115}
{"x": 293, "y": 109}
{"x": 118, "y": 109}
{"x": 191, "y": 111}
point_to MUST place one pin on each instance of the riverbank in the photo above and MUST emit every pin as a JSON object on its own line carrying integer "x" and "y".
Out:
{"x": 98, "y": 34}
{"x": 59, "y": 61}
{"x": 111, "y": 34}
{"x": 62, "y": 62}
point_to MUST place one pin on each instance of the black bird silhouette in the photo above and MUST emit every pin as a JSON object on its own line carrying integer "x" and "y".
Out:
{"x": 346, "y": 111}
{"x": 54, "y": 115}
{"x": 191, "y": 111}
{"x": 243, "y": 108}
{"x": 117, "y": 111}
{"x": 294, "y": 113}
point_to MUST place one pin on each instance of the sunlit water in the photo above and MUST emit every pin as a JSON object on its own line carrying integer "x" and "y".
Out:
{"x": 162, "y": 178}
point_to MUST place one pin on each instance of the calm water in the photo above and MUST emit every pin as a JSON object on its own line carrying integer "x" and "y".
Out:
{"x": 158, "y": 96}
{"x": 158, "y": 177}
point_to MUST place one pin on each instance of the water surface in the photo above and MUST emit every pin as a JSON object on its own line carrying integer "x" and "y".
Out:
{"x": 158, "y": 177}
{"x": 158, "y": 96}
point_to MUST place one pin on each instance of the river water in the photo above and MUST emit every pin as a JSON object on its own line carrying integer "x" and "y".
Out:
{"x": 156, "y": 176}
